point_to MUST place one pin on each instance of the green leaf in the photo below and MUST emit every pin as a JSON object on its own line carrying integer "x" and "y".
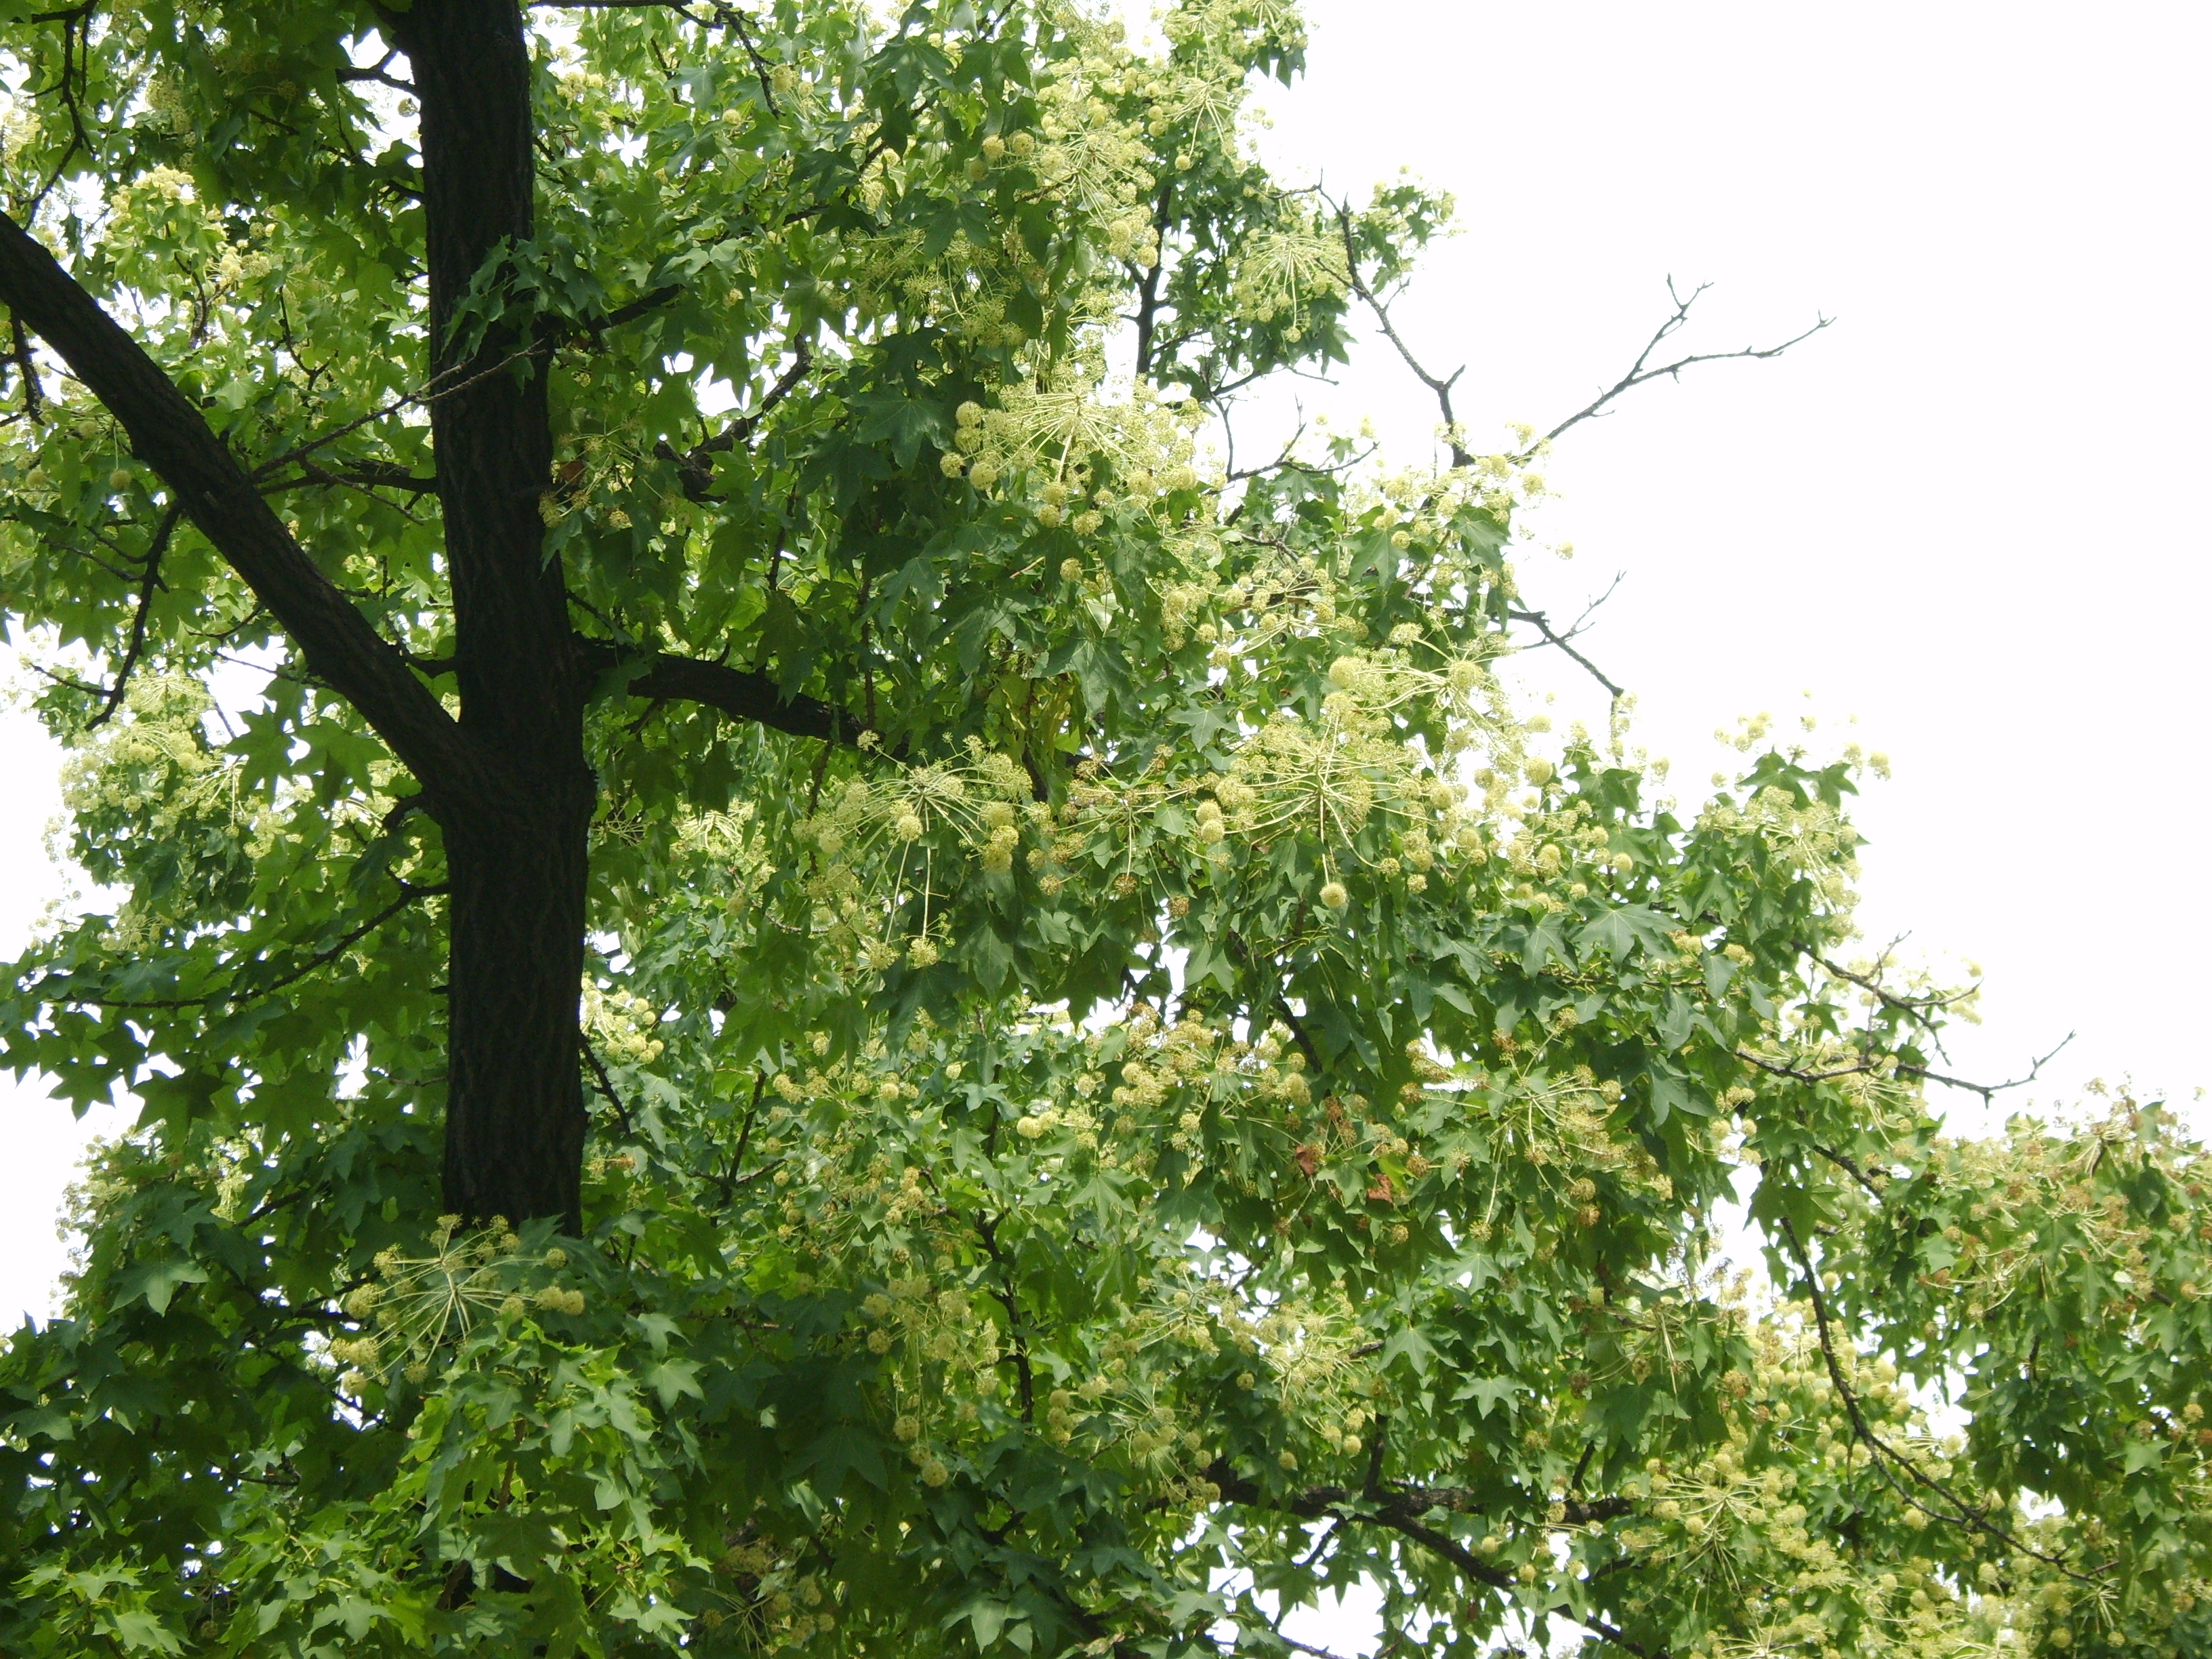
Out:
{"x": 1619, "y": 930}
{"x": 1407, "y": 1343}
{"x": 1488, "y": 1392}
{"x": 140, "y": 1631}
{"x": 986, "y": 1618}
{"x": 672, "y": 1379}
{"x": 157, "y": 1281}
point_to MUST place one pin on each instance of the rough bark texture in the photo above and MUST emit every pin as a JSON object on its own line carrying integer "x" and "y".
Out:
{"x": 170, "y": 434}
{"x": 515, "y": 1107}
{"x": 507, "y": 782}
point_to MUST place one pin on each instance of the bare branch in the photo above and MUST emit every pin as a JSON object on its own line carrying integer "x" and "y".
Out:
{"x": 443, "y": 384}
{"x": 377, "y": 74}
{"x": 1797, "y": 1074}
{"x": 1286, "y": 460}
{"x": 734, "y": 20}
{"x": 372, "y": 475}
{"x": 28, "y": 368}
{"x": 1987, "y": 1091}
{"x": 1541, "y": 622}
{"x": 1148, "y": 289}
{"x": 1642, "y": 370}
{"x": 1442, "y": 387}
{"x": 696, "y": 465}
{"x": 1917, "y": 1009}
{"x": 1875, "y": 1063}
{"x": 1401, "y": 1508}
{"x": 604, "y": 1083}
{"x": 1849, "y": 1166}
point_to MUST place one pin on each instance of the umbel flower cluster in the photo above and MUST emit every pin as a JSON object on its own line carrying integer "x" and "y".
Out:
{"x": 417, "y": 1306}
{"x": 1127, "y": 1085}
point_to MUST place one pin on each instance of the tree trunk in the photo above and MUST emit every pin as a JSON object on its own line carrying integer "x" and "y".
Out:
{"x": 514, "y": 1104}
{"x": 515, "y": 1113}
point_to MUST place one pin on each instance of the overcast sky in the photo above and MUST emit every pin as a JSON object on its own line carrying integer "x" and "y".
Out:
{"x": 1971, "y": 513}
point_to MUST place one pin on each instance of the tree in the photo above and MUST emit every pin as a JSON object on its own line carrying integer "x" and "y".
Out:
{"x": 832, "y": 995}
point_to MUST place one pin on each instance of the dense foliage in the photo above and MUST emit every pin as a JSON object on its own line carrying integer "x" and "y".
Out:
{"x": 1174, "y": 1099}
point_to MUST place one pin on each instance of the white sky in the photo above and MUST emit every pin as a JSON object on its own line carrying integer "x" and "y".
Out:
{"x": 1969, "y": 512}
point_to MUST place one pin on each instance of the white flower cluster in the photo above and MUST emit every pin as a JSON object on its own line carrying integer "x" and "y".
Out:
{"x": 878, "y": 843}
{"x": 418, "y": 1304}
{"x": 1054, "y": 438}
{"x": 621, "y": 1024}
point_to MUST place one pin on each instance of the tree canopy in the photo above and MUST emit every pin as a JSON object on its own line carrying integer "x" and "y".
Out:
{"x": 836, "y": 995}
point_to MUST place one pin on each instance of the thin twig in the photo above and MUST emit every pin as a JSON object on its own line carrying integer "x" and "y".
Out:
{"x": 147, "y": 587}
{"x": 604, "y": 1083}
{"x": 1987, "y": 1091}
{"x": 1917, "y": 1009}
{"x": 1885, "y": 1456}
{"x": 1640, "y": 371}
{"x": 432, "y": 389}
{"x": 693, "y": 464}
{"x": 409, "y": 894}
{"x": 734, "y": 20}
{"x": 1441, "y": 387}
{"x": 1849, "y": 1167}
{"x": 730, "y": 1180}
{"x": 1541, "y": 622}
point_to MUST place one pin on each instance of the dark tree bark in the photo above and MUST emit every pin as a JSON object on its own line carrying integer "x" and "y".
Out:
{"x": 506, "y": 783}
{"x": 170, "y": 434}
{"x": 514, "y": 1107}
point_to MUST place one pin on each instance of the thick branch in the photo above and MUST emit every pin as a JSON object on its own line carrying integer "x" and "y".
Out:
{"x": 171, "y": 436}
{"x": 490, "y": 428}
{"x": 734, "y": 692}
{"x": 1401, "y": 1510}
